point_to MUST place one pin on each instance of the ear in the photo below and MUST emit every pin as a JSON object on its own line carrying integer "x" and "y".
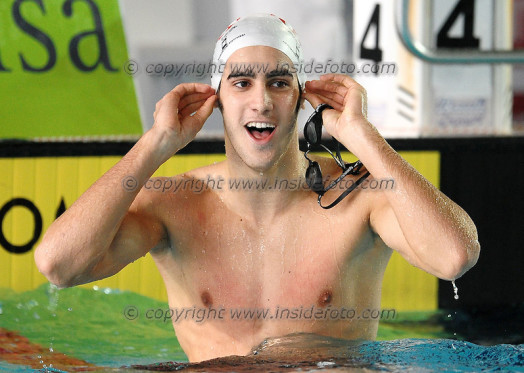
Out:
{"x": 218, "y": 104}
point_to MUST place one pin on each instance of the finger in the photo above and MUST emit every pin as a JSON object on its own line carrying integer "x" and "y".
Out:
{"x": 171, "y": 101}
{"x": 316, "y": 99}
{"x": 186, "y": 89}
{"x": 355, "y": 100}
{"x": 327, "y": 86}
{"x": 193, "y": 98}
{"x": 344, "y": 80}
{"x": 334, "y": 97}
{"x": 191, "y": 108}
{"x": 205, "y": 111}
{"x": 313, "y": 99}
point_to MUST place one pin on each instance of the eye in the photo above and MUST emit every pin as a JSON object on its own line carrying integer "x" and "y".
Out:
{"x": 241, "y": 84}
{"x": 280, "y": 84}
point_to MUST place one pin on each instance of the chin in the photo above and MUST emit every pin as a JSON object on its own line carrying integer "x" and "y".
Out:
{"x": 261, "y": 165}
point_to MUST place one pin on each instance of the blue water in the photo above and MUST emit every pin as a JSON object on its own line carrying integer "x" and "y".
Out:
{"x": 442, "y": 355}
{"x": 408, "y": 355}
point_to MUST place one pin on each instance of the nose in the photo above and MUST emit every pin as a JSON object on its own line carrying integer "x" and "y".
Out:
{"x": 261, "y": 100}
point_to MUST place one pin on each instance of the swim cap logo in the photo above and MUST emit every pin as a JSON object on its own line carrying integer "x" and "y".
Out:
{"x": 295, "y": 50}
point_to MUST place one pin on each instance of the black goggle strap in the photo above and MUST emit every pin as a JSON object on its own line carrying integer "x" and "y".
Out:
{"x": 355, "y": 167}
{"x": 349, "y": 170}
{"x": 343, "y": 195}
{"x": 338, "y": 151}
{"x": 338, "y": 179}
{"x": 320, "y": 108}
{"x": 337, "y": 157}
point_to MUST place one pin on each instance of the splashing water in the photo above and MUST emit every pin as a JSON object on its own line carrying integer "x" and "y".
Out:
{"x": 455, "y": 289}
{"x": 52, "y": 295}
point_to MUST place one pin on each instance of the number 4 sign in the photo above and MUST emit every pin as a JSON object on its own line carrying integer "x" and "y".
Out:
{"x": 424, "y": 99}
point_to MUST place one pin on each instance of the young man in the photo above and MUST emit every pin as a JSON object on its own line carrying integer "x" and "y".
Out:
{"x": 224, "y": 249}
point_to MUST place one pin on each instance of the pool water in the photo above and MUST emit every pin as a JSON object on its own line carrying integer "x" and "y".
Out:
{"x": 82, "y": 329}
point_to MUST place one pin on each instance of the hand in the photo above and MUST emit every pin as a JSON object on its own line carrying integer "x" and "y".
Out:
{"x": 182, "y": 112}
{"x": 349, "y": 101}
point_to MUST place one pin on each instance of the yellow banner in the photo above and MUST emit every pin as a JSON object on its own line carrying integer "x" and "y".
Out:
{"x": 33, "y": 191}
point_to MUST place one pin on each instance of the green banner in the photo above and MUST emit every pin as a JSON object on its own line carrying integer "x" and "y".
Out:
{"x": 61, "y": 70}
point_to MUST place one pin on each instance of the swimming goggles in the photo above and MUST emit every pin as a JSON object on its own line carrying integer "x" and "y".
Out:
{"x": 313, "y": 136}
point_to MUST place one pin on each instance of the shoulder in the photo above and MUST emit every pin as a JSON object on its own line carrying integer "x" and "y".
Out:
{"x": 180, "y": 185}
{"x": 163, "y": 195}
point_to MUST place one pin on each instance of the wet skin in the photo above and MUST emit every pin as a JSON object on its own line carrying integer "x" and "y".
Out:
{"x": 230, "y": 249}
{"x": 302, "y": 257}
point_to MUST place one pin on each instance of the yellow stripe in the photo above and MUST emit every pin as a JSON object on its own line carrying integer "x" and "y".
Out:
{"x": 406, "y": 287}
{"x": 45, "y": 181}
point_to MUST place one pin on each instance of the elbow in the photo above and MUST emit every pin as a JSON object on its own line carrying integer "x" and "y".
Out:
{"x": 462, "y": 260}
{"x": 49, "y": 267}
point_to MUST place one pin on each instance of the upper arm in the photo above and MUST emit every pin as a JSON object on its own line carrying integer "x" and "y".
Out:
{"x": 140, "y": 230}
{"x": 385, "y": 223}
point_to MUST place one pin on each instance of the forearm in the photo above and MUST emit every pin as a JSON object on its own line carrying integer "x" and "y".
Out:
{"x": 415, "y": 218}
{"x": 80, "y": 237}
{"x": 441, "y": 235}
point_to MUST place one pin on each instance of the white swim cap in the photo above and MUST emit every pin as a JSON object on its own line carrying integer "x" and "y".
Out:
{"x": 259, "y": 29}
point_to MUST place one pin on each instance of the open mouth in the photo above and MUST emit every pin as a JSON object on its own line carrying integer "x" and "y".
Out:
{"x": 260, "y": 130}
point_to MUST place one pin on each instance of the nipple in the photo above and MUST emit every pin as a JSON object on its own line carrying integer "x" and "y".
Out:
{"x": 206, "y": 299}
{"x": 325, "y": 298}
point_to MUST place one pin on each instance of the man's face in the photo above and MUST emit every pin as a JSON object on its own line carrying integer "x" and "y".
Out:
{"x": 258, "y": 96}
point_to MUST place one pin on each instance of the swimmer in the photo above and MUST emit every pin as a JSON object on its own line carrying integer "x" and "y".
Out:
{"x": 245, "y": 249}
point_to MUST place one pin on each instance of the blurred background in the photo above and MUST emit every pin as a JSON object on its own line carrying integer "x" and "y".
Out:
{"x": 445, "y": 79}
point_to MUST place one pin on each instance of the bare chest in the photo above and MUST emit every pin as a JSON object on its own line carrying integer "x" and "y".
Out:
{"x": 293, "y": 262}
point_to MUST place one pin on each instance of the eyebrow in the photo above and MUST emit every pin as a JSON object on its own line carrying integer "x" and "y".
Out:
{"x": 249, "y": 73}
{"x": 279, "y": 72}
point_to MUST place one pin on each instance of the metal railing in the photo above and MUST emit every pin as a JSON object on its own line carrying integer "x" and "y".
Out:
{"x": 451, "y": 56}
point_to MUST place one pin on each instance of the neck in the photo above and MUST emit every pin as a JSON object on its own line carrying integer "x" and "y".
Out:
{"x": 260, "y": 195}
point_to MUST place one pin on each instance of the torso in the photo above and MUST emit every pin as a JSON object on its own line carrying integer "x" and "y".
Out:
{"x": 310, "y": 270}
